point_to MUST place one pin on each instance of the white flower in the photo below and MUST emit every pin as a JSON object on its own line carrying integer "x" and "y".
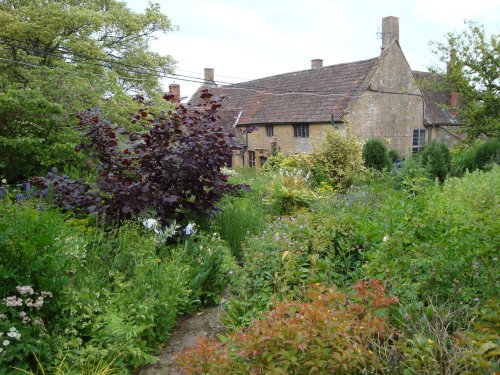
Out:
{"x": 5, "y": 342}
{"x": 386, "y": 238}
{"x": 189, "y": 229}
{"x": 4, "y": 181}
{"x": 150, "y": 223}
{"x": 25, "y": 290}
{"x": 1, "y": 350}
{"x": 13, "y": 301}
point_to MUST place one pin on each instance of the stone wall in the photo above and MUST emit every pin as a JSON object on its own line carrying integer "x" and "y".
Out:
{"x": 393, "y": 106}
{"x": 287, "y": 144}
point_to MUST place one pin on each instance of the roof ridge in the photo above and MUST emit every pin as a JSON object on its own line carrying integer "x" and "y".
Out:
{"x": 302, "y": 71}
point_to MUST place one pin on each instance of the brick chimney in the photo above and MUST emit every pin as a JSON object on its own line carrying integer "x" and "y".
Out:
{"x": 209, "y": 75}
{"x": 175, "y": 89}
{"x": 316, "y": 63}
{"x": 390, "y": 30}
{"x": 452, "y": 95}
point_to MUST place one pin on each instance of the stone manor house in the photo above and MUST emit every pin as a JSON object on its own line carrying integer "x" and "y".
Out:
{"x": 379, "y": 97}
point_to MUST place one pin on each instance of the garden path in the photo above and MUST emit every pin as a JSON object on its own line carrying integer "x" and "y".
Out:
{"x": 206, "y": 323}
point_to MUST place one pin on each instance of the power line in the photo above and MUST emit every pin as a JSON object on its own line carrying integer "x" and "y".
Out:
{"x": 152, "y": 72}
{"x": 110, "y": 64}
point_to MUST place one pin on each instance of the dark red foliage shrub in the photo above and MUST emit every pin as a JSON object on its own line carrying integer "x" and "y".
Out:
{"x": 173, "y": 167}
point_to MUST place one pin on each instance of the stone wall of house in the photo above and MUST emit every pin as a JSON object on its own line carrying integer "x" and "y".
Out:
{"x": 258, "y": 142}
{"x": 448, "y": 134}
{"x": 393, "y": 106}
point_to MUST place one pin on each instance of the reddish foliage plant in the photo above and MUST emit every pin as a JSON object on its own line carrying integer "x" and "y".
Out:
{"x": 329, "y": 334}
{"x": 172, "y": 167}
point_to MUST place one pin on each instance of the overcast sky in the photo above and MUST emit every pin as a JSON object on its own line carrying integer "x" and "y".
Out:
{"x": 249, "y": 39}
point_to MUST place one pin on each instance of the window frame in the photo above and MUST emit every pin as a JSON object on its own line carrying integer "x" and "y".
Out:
{"x": 301, "y": 130}
{"x": 418, "y": 140}
{"x": 269, "y": 130}
{"x": 251, "y": 159}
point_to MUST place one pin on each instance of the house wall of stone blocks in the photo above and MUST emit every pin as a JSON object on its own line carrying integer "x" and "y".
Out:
{"x": 286, "y": 143}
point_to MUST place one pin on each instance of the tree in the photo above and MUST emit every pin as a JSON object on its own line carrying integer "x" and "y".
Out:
{"x": 78, "y": 54}
{"x": 473, "y": 73}
{"x": 173, "y": 168}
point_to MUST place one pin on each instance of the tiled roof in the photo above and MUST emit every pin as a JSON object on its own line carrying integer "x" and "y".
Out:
{"x": 311, "y": 95}
{"x": 435, "y": 113}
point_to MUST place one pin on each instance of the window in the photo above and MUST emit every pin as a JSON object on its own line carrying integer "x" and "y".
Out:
{"x": 418, "y": 140}
{"x": 251, "y": 159}
{"x": 229, "y": 162}
{"x": 269, "y": 131}
{"x": 301, "y": 130}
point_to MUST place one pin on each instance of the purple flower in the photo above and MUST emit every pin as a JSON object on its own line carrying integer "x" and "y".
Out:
{"x": 28, "y": 188}
{"x": 276, "y": 238}
{"x": 19, "y": 198}
{"x": 40, "y": 208}
{"x": 2, "y": 192}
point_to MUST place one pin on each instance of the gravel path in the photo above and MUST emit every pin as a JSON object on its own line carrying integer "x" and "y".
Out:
{"x": 205, "y": 323}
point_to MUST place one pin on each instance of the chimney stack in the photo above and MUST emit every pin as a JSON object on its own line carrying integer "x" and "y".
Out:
{"x": 316, "y": 63}
{"x": 452, "y": 95}
{"x": 175, "y": 89}
{"x": 390, "y": 30}
{"x": 209, "y": 75}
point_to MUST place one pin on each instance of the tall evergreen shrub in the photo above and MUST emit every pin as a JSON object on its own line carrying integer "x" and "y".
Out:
{"x": 375, "y": 154}
{"x": 436, "y": 158}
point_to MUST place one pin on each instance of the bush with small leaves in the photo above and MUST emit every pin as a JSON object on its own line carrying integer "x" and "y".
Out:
{"x": 172, "y": 168}
{"x": 375, "y": 154}
{"x": 330, "y": 333}
{"x": 487, "y": 153}
{"x": 436, "y": 158}
{"x": 339, "y": 156}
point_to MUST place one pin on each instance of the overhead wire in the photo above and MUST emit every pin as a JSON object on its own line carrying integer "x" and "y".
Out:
{"x": 110, "y": 64}
{"x": 146, "y": 71}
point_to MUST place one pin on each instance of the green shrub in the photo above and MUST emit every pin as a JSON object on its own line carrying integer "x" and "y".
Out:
{"x": 393, "y": 155}
{"x": 339, "y": 156}
{"x": 436, "y": 158}
{"x": 108, "y": 294}
{"x": 479, "y": 155}
{"x": 462, "y": 159}
{"x": 412, "y": 177}
{"x": 375, "y": 154}
{"x": 31, "y": 139}
{"x": 445, "y": 247}
{"x": 290, "y": 191}
{"x": 298, "y": 161}
{"x": 486, "y": 153}
{"x": 273, "y": 163}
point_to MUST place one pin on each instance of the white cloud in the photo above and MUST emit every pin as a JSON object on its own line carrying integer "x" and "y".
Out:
{"x": 453, "y": 13}
{"x": 239, "y": 38}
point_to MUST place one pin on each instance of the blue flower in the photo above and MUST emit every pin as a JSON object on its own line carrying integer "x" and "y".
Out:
{"x": 189, "y": 229}
{"x": 19, "y": 198}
